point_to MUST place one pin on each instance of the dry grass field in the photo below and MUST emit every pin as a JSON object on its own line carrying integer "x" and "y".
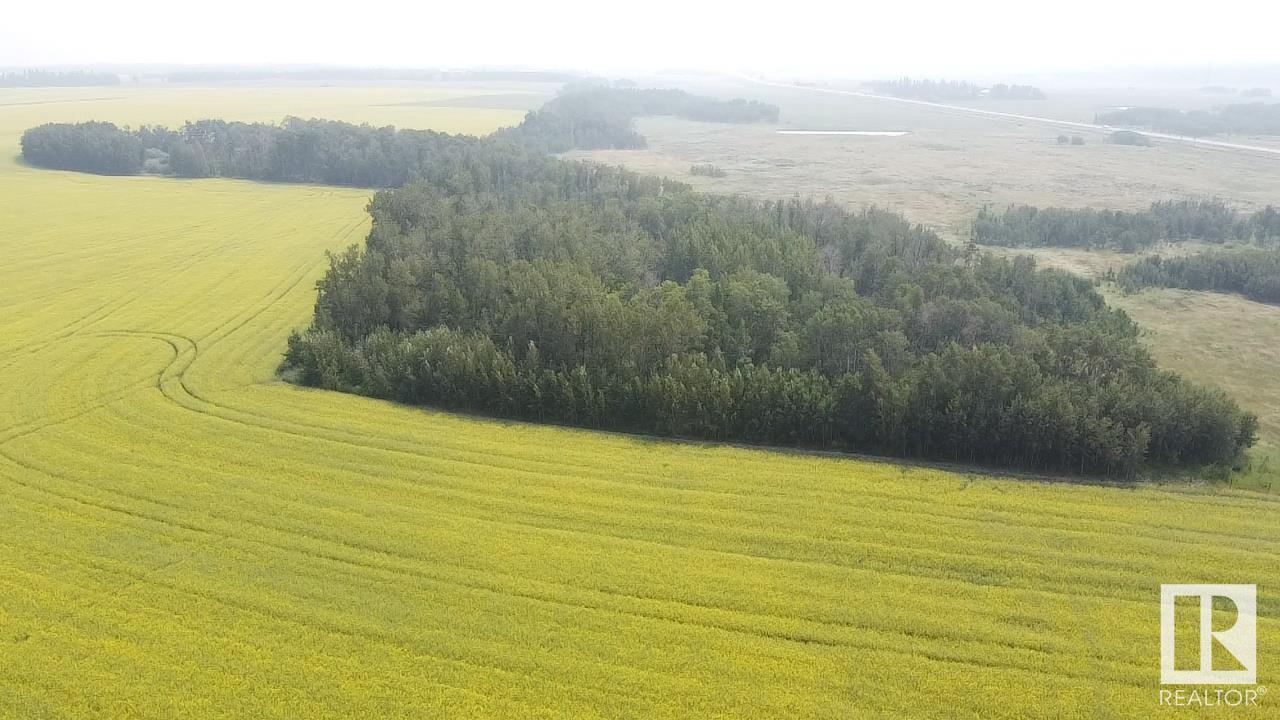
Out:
{"x": 184, "y": 535}
{"x": 944, "y": 170}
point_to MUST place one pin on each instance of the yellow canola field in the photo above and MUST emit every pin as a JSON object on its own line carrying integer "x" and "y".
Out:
{"x": 183, "y": 535}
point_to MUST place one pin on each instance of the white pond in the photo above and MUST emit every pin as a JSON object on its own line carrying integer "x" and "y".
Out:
{"x": 874, "y": 133}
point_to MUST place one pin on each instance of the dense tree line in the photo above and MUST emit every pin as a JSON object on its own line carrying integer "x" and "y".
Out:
{"x": 317, "y": 151}
{"x": 602, "y": 116}
{"x": 933, "y": 90}
{"x": 953, "y": 90}
{"x": 50, "y": 78}
{"x": 95, "y": 147}
{"x": 1252, "y": 272}
{"x": 337, "y": 153}
{"x": 1237, "y": 119}
{"x": 593, "y": 296}
{"x": 1165, "y": 221}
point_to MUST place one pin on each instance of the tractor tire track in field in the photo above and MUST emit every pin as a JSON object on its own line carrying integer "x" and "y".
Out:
{"x": 797, "y": 636}
{"x": 186, "y": 351}
{"x": 176, "y": 382}
{"x": 172, "y": 378}
{"x": 273, "y": 423}
{"x": 107, "y": 309}
{"x": 560, "y": 469}
{"x": 36, "y": 424}
{"x": 348, "y": 564}
{"x": 551, "y": 522}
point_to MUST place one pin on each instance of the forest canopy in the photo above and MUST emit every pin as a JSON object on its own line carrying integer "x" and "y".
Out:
{"x": 1238, "y": 119}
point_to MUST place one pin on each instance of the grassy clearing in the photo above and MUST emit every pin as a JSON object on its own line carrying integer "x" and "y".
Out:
{"x": 1225, "y": 340}
{"x": 1096, "y": 263}
{"x": 184, "y": 535}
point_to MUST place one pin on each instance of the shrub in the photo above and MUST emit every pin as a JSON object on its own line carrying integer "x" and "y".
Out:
{"x": 707, "y": 171}
{"x": 1129, "y": 137}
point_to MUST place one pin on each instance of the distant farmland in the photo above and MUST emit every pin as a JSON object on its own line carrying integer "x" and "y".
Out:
{"x": 184, "y": 535}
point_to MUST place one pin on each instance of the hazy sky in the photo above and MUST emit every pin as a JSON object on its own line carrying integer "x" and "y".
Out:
{"x": 948, "y": 38}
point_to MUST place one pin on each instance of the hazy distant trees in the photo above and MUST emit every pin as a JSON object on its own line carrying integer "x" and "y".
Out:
{"x": 47, "y": 78}
{"x": 1239, "y": 119}
{"x": 953, "y": 90}
{"x": 1001, "y": 91}
{"x": 601, "y": 116}
{"x": 935, "y": 90}
{"x": 1170, "y": 220}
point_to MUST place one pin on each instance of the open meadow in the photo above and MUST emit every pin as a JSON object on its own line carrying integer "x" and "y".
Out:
{"x": 185, "y": 535}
